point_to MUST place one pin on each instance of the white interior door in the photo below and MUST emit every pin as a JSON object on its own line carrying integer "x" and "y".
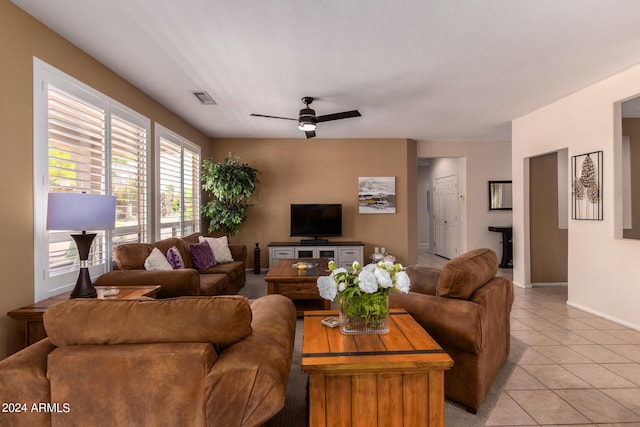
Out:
{"x": 445, "y": 203}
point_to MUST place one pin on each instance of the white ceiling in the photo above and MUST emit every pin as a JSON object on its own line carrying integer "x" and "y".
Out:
{"x": 422, "y": 69}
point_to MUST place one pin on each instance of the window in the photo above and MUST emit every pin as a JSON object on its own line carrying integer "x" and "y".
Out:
{"x": 129, "y": 154}
{"x": 84, "y": 142}
{"x": 178, "y": 184}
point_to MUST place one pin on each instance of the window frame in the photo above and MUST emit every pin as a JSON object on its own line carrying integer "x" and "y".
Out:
{"x": 161, "y": 132}
{"x": 45, "y": 75}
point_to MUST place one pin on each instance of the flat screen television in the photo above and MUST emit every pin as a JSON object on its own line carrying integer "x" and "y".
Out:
{"x": 316, "y": 220}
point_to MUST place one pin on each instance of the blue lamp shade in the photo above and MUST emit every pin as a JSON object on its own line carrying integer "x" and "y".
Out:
{"x": 81, "y": 211}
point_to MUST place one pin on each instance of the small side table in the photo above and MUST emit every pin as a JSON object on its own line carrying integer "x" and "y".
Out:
{"x": 507, "y": 245}
{"x": 29, "y": 318}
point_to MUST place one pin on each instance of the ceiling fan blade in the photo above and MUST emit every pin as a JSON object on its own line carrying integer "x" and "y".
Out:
{"x": 338, "y": 116}
{"x": 310, "y": 133}
{"x": 272, "y": 117}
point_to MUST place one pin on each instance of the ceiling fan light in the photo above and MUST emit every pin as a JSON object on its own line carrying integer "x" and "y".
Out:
{"x": 306, "y": 126}
{"x": 307, "y": 120}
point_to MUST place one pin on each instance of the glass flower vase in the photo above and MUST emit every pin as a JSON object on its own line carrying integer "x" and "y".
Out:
{"x": 365, "y": 314}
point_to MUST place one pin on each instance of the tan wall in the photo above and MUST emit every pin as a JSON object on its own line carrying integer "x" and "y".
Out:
{"x": 631, "y": 128}
{"x": 549, "y": 252}
{"x": 327, "y": 171}
{"x": 22, "y": 38}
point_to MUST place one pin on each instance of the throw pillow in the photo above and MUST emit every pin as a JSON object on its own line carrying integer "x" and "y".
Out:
{"x": 174, "y": 258}
{"x": 202, "y": 256}
{"x": 157, "y": 261}
{"x": 220, "y": 248}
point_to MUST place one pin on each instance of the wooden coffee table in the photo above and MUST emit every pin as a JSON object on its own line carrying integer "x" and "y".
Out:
{"x": 396, "y": 379}
{"x": 29, "y": 318}
{"x": 299, "y": 285}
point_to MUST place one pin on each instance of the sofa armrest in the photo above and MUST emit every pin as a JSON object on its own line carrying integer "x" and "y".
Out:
{"x": 23, "y": 380}
{"x": 497, "y": 299}
{"x": 451, "y": 322}
{"x": 174, "y": 283}
{"x": 238, "y": 252}
{"x": 251, "y": 376}
{"x": 496, "y": 295}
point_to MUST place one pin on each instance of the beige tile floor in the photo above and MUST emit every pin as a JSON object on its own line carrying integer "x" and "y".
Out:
{"x": 579, "y": 369}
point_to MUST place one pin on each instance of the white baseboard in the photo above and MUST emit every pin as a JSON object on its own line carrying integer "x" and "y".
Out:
{"x": 605, "y": 316}
{"x": 565, "y": 284}
{"x": 531, "y": 285}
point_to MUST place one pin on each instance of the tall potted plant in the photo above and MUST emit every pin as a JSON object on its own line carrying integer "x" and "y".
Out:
{"x": 231, "y": 184}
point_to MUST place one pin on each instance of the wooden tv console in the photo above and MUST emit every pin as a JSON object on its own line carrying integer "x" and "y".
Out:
{"x": 343, "y": 253}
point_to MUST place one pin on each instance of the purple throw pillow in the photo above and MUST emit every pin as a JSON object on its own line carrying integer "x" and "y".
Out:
{"x": 174, "y": 258}
{"x": 202, "y": 256}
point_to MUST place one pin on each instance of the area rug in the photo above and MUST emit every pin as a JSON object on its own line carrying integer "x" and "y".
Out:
{"x": 295, "y": 409}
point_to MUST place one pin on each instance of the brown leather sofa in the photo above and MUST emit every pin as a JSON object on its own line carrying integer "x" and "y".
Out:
{"x": 190, "y": 361}
{"x": 221, "y": 279}
{"x": 466, "y": 309}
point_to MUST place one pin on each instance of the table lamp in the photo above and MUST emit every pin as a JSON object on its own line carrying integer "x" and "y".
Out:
{"x": 81, "y": 211}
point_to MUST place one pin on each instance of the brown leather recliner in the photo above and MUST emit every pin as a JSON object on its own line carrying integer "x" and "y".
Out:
{"x": 189, "y": 361}
{"x": 466, "y": 309}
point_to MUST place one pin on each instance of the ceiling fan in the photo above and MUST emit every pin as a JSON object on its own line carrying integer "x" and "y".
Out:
{"x": 308, "y": 121}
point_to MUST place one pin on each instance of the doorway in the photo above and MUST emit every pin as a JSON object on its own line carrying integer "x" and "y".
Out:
{"x": 445, "y": 204}
{"x": 548, "y": 218}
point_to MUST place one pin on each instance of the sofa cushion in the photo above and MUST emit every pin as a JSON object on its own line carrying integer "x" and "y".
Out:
{"x": 159, "y": 384}
{"x": 229, "y": 268}
{"x": 131, "y": 256}
{"x": 220, "y": 320}
{"x": 175, "y": 258}
{"x": 463, "y": 275}
{"x": 214, "y": 284}
{"x": 220, "y": 248}
{"x": 202, "y": 256}
{"x": 157, "y": 261}
{"x": 166, "y": 244}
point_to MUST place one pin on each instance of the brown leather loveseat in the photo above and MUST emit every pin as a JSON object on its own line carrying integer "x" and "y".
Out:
{"x": 190, "y": 361}
{"x": 221, "y": 279}
{"x": 466, "y": 309}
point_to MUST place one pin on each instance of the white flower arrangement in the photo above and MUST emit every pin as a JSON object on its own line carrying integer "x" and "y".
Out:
{"x": 362, "y": 291}
{"x": 373, "y": 279}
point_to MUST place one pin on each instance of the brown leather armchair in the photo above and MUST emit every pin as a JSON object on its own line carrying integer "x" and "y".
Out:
{"x": 466, "y": 309}
{"x": 190, "y": 361}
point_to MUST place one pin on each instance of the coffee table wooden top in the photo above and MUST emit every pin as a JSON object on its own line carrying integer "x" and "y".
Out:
{"x": 283, "y": 270}
{"x": 406, "y": 347}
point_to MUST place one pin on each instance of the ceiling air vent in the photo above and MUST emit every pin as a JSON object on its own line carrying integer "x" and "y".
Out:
{"x": 204, "y": 98}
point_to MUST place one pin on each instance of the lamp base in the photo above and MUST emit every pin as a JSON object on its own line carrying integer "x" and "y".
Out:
{"x": 84, "y": 288}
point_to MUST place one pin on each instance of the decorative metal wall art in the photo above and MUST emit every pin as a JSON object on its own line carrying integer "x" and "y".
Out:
{"x": 586, "y": 186}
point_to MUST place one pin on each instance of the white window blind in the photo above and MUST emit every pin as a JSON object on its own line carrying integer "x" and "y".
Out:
{"x": 84, "y": 142}
{"x": 129, "y": 153}
{"x": 178, "y": 203}
{"x": 76, "y": 159}
{"x": 191, "y": 191}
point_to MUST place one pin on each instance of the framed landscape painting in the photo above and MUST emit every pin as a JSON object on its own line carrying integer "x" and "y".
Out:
{"x": 377, "y": 195}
